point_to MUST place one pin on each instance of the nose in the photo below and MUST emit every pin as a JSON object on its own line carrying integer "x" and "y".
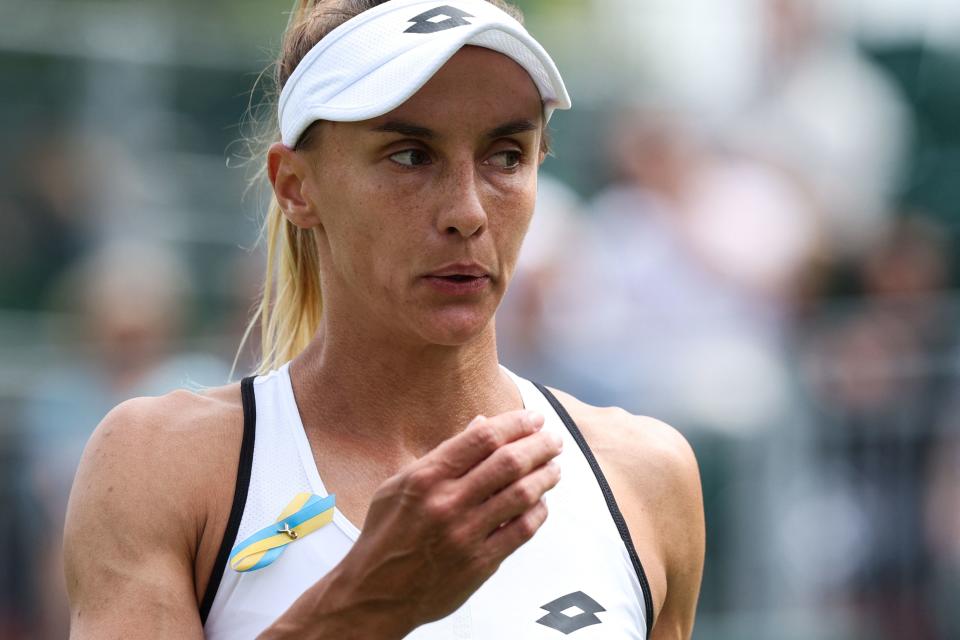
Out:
{"x": 461, "y": 211}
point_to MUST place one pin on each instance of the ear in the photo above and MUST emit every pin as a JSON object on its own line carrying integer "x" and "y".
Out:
{"x": 544, "y": 148}
{"x": 288, "y": 171}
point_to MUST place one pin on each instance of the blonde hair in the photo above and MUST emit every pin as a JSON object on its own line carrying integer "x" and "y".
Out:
{"x": 290, "y": 307}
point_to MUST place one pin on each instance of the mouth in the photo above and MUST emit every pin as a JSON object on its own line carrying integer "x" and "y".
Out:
{"x": 458, "y": 279}
{"x": 460, "y": 270}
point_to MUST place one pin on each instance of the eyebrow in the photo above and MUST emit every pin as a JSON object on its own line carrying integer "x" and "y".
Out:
{"x": 416, "y": 131}
{"x": 512, "y": 128}
{"x": 405, "y": 129}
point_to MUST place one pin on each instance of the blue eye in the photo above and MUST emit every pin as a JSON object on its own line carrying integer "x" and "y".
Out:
{"x": 509, "y": 159}
{"x": 411, "y": 157}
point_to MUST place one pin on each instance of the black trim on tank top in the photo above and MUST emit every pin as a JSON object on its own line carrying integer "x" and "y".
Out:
{"x": 248, "y": 399}
{"x": 608, "y": 496}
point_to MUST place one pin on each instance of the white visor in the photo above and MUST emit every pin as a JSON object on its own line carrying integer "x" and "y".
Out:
{"x": 374, "y": 62}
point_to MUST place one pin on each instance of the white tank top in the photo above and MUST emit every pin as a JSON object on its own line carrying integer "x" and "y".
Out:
{"x": 579, "y": 575}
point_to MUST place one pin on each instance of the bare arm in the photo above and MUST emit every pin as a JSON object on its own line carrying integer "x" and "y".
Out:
{"x": 127, "y": 543}
{"x": 682, "y": 536}
{"x": 654, "y": 476}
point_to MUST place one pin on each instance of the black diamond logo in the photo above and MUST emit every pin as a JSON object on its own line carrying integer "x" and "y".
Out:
{"x": 559, "y": 620}
{"x": 426, "y": 23}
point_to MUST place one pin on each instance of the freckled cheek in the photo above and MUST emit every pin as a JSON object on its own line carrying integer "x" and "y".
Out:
{"x": 510, "y": 224}
{"x": 383, "y": 251}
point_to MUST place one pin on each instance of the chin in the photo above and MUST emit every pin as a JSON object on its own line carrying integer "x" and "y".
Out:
{"x": 456, "y": 327}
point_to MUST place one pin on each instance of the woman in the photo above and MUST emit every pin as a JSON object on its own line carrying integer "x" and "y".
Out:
{"x": 411, "y": 132}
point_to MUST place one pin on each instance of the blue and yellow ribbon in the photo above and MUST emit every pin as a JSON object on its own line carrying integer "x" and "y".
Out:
{"x": 305, "y": 514}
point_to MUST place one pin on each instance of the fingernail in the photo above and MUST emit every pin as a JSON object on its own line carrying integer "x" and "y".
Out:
{"x": 475, "y": 421}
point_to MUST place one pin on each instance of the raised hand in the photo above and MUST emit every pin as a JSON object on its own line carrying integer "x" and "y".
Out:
{"x": 438, "y": 529}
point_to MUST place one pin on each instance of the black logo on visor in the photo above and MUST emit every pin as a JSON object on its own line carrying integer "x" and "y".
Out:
{"x": 427, "y": 21}
{"x": 566, "y": 624}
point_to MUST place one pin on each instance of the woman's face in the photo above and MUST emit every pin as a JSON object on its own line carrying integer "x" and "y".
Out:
{"x": 422, "y": 211}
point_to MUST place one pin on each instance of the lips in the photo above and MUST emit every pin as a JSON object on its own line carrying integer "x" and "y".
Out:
{"x": 462, "y": 270}
{"x": 458, "y": 279}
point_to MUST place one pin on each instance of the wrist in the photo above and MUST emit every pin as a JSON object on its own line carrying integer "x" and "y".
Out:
{"x": 335, "y": 608}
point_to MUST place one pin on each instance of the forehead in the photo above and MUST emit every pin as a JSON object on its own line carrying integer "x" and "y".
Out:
{"x": 476, "y": 85}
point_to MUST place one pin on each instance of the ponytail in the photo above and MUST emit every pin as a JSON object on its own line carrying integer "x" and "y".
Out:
{"x": 290, "y": 305}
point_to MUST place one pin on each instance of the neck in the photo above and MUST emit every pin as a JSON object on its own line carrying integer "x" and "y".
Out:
{"x": 400, "y": 398}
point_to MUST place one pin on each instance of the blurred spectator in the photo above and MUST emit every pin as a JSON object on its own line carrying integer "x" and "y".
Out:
{"x": 44, "y": 212}
{"x": 870, "y": 360}
{"x": 872, "y": 375}
{"x": 133, "y": 299}
{"x": 697, "y": 254}
{"x": 826, "y": 112}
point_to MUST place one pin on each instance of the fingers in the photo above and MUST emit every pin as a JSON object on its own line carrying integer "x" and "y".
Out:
{"x": 508, "y": 464}
{"x": 517, "y": 498}
{"x": 482, "y": 437}
{"x": 506, "y": 539}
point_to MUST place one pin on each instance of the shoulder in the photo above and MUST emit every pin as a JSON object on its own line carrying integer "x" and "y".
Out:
{"x": 657, "y": 458}
{"x": 653, "y": 473}
{"x": 175, "y": 415}
{"x": 157, "y": 439}
{"x": 154, "y": 485}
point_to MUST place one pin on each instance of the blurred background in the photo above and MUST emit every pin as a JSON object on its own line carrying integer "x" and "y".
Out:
{"x": 747, "y": 230}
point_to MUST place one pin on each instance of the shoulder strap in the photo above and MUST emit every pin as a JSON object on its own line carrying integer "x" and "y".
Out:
{"x": 608, "y": 496}
{"x": 248, "y": 399}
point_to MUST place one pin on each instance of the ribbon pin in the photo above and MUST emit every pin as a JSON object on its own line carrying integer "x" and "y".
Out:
{"x": 305, "y": 514}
